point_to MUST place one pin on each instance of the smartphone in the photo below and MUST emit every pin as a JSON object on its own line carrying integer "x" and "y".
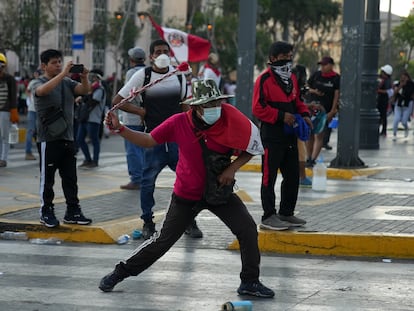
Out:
{"x": 77, "y": 68}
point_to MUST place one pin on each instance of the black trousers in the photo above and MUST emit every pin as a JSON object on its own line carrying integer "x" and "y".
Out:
{"x": 283, "y": 157}
{"x": 180, "y": 214}
{"x": 58, "y": 155}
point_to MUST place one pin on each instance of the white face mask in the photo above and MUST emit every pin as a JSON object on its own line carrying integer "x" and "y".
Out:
{"x": 162, "y": 61}
{"x": 211, "y": 115}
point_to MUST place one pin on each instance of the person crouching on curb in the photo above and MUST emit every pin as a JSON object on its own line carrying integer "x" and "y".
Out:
{"x": 210, "y": 126}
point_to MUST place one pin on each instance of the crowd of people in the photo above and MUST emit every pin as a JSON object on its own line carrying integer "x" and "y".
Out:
{"x": 190, "y": 124}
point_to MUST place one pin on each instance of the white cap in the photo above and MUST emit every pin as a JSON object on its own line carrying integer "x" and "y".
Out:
{"x": 387, "y": 69}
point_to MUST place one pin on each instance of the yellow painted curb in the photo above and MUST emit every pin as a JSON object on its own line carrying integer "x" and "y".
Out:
{"x": 332, "y": 173}
{"x": 68, "y": 233}
{"x": 336, "y": 173}
{"x": 335, "y": 244}
{"x": 243, "y": 195}
{"x": 101, "y": 233}
{"x": 249, "y": 167}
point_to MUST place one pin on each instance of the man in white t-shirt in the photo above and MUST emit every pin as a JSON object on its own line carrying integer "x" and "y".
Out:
{"x": 31, "y": 117}
{"x": 159, "y": 102}
{"x": 134, "y": 153}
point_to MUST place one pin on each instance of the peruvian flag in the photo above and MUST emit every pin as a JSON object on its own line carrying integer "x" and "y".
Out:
{"x": 185, "y": 47}
{"x": 234, "y": 130}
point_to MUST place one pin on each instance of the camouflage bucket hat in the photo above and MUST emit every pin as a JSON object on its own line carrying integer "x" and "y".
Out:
{"x": 205, "y": 91}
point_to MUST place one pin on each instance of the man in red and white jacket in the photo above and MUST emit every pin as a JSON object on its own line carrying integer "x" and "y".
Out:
{"x": 277, "y": 105}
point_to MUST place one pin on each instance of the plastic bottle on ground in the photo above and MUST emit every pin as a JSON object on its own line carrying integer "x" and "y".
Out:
{"x": 123, "y": 239}
{"x": 243, "y": 305}
{"x": 12, "y": 235}
{"x": 319, "y": 176}
{"x": 48, "y": 241}
{"x": 13, "y": 134}
{"x": 136, "y": 234}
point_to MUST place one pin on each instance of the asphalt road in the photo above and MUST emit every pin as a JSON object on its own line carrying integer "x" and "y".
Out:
{"x": 65, "y": 278}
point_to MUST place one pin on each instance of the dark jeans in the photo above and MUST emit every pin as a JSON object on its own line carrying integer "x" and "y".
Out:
{"x": 58, "y": 155}
{"x": 382, "y": 108}
{"x": 180, "y": 214}
{"x": 285, "y": 158}
{"x": 91, "y": 130}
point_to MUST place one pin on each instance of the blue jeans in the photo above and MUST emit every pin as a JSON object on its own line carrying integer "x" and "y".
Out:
{"x": 155, "y": 159}
{"x": 134, "y": 157}
{"x": 30, "y": 131}
{"x": 92, "y": 130}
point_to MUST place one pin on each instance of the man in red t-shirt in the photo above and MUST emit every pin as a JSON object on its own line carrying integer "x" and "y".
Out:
{"x": 221, "y": 128}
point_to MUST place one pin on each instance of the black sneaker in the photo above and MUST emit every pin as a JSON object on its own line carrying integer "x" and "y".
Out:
{"x": 109, "y": 281}
{"x": 48, "y": 217}
{"x": 310, "y": 163}
{"x": 148, "y": 230}
{"x": 76, "y": 218}
{"x": 92, "y": 164}
{"x": 255, "y": 289}
{"x": 85, "y": 163}
{"x": 193, "y": 231}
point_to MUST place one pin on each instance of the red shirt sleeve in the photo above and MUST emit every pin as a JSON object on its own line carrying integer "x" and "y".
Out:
{"x": 260, "y": 109}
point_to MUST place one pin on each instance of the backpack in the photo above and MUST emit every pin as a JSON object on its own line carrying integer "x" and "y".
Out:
{"x": 215, "y": 163}
{"x": 147, "y": 80}
{"x": 108, "y": 91}
{"x": 86, "y": 106}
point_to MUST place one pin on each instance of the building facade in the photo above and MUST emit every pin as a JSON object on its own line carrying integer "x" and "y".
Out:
{"x": 73, "y": 18}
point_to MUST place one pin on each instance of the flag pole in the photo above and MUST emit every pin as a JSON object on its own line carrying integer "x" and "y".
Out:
{"x": 182, "y": 68}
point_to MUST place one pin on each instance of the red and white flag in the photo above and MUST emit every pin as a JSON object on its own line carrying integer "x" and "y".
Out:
{"x": 185, "y": 47}
{"x": 234, "y": 130}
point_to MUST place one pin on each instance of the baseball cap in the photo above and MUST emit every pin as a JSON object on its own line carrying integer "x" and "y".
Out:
{"x": 387, "y": 69}
{"x": 98, "y": 73}
{"x": 326, "y": 60}
{"x": 136, "y": 53}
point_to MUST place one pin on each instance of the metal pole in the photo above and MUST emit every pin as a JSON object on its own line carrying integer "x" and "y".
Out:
{"x": 246, "y": 55}
{"x": 348, "y": 131}
{"x": 388, "y": 43}
{"x": 369, "y": 135}
{"x": 36, "y": 34}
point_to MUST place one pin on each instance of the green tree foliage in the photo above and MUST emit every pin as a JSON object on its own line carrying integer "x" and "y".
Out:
{"x": 405, "y": 34}
{"x": 110, "y": 32}
{"x": 19, "y": 20}
{"x": 299, "y": 15}
{"x": 275, "y": 19}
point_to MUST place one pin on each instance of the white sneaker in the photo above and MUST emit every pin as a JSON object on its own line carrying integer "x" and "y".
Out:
{"x": 406, "y": 132}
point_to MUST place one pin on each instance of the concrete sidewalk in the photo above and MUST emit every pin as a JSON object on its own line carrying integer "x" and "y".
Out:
{"x": 364, "y": 212}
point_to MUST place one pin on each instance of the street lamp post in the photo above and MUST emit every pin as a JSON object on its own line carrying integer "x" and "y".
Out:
{"x": 246, "y": 55}
{"x": 348, "y": 131}
{"x": 369, "y": 134}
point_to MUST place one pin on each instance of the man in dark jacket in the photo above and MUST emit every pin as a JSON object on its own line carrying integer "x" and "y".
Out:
{"x": 277, "y": 104}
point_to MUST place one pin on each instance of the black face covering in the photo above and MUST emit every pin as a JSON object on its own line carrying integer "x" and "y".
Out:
{"x": 283, "y": 70}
